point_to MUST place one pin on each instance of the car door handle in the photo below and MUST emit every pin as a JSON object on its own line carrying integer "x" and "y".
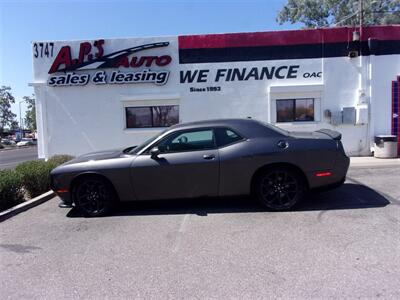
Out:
{"x": 208, "y": 156}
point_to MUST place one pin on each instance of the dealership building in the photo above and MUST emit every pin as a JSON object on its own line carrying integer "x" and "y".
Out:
{"x": 112, "y": 93}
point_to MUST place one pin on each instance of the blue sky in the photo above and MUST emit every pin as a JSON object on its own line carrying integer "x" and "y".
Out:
{"x": 23, "y": 21}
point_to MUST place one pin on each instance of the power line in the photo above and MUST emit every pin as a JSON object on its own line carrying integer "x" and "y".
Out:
{"x": 346, "y": 18}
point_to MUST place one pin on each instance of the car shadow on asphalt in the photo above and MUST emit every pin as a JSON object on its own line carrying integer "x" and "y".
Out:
{"x": 348, "y": 196}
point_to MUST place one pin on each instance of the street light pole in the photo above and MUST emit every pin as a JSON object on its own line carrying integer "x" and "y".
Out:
{"x": 20, "y": 118}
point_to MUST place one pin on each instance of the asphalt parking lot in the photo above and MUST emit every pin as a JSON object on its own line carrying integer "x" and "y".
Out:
{"x": 339, "y": 244}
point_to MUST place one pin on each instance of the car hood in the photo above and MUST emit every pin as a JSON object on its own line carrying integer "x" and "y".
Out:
{"x": 99, "y": 155}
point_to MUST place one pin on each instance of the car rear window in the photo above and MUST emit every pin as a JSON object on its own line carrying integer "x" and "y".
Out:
{"x": 226, "y": 136}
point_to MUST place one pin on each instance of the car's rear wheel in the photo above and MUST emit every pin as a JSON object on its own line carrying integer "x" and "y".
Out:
{"x": 280, "y": 188}
{"x": 93, "y": 196}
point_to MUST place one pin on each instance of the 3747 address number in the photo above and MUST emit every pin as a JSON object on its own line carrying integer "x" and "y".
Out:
{"x": 43, "y": 49}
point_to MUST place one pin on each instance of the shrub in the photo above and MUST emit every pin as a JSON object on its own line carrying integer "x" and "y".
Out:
{"x": 35, "y": 176}
{"x": 10, "y": 189}
{"x": 57, "y": 160}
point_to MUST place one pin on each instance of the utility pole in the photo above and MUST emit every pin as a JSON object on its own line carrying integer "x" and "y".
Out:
{"x": 360, "y": 9}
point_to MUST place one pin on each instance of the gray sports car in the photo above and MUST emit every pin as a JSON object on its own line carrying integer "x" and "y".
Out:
{"x": 208, "y": 158}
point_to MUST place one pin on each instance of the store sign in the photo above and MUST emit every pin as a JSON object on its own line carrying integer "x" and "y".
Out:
{"x": 91, "y": 57}
{"x": 246, "y": 74}
{"x": 218, "y": 76}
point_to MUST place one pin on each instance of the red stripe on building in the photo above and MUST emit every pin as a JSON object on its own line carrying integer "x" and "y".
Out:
{"x": 392, "y": 115}
{"x": 288, "y": 37}
{"x": 398, "y": 116}
{"x": 383, "y": 33}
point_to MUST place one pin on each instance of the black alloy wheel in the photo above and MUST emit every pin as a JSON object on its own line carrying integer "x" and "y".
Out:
{"x": 280, "y": 188}
{"x": 93, "y": 197}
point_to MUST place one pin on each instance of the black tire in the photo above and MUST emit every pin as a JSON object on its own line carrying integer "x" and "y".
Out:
{"x": 280, "y": 188}
{"x": 93, "y": 196}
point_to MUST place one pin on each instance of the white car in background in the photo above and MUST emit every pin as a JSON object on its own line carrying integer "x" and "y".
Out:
{"x": 26, "y": 142}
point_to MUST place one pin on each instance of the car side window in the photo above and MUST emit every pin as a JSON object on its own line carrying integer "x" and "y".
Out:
{"x": 226, "y": 136}
{"x": 188, "y": 141}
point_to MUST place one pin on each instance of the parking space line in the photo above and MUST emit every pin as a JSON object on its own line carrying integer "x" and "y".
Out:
{"x": 180, "y": 233}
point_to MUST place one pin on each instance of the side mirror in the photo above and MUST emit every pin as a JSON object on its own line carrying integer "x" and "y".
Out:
{"x": 154, "y": 152}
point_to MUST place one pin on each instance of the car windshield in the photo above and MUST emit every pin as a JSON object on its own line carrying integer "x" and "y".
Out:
{"x": 146, "y": 143}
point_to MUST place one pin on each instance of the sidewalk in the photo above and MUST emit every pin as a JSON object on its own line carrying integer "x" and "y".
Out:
{"x": 370, "y": 161}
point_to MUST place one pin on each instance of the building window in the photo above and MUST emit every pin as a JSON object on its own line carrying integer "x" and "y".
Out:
{"x": 295, "y": 110}
{"x": 152, "y": 116}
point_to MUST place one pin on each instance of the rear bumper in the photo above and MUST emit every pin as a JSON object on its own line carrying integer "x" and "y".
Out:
{"x": 336, "y": 176}
{"x": 329, "y": 187}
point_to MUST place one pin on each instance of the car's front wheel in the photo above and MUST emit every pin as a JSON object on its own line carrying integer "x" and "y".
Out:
{"x": 280, "y": 188}
{"x": 93, "y": 196}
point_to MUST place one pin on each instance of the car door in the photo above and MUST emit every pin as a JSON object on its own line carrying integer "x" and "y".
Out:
{"x": 236, "y": 162}
{"x": 187, "y": 166}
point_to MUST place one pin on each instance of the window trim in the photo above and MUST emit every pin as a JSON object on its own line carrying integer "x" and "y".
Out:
{"x": 294, "y": 110}
{"x": 146, "y": 151}
{"x": 151, "y": 112}
{"x": 155, "y": 144}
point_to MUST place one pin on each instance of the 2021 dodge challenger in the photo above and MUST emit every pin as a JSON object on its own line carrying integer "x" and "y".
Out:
{"x": 226, "y": 157}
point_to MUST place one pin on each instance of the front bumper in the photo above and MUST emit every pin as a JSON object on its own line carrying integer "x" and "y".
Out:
{"x": 62, "y": 192}
{"x": 65, "y": 197}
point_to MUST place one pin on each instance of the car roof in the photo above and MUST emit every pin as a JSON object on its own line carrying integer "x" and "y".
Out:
{"x": 213, "y": 122}
{"x": 247, "y": 127}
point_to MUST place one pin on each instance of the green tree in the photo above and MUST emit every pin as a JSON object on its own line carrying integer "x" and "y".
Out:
{"x": 7, "y": 117}
{"x": 324, "y": 13}
{"x": 30, "y": 114}
{"x": 14, "y": 125}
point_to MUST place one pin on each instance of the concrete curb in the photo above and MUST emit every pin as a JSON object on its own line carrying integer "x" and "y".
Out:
{"x": 26, "y": 205}
{"x": 370, "y": 161}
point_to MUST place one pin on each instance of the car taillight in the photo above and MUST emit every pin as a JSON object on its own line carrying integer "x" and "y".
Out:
{"x": 323, "y": 174}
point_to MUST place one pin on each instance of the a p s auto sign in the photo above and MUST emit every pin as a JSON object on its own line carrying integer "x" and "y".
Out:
{"x": 67, "y": 70}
